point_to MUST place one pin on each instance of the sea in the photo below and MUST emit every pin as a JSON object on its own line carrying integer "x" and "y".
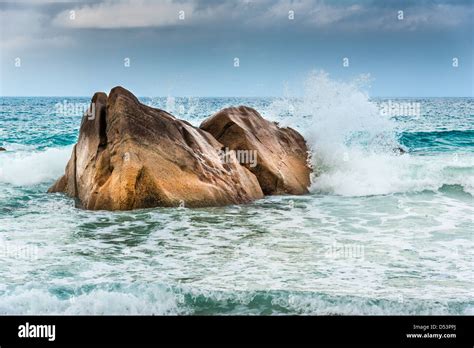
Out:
{"x": 382, "y": 231}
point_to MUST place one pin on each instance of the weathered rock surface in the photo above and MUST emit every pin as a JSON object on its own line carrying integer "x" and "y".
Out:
{"x": 282, "y": 163}
{"x": 131, "y": 156}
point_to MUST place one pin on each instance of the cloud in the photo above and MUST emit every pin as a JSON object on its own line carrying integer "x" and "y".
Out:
{"x": 26, "y": 29}
{"x": 39, "y": 24}
{"x": 125, "y": 14}
{"x": 346, "y": 16}
{"x": 147, "y": 13}
{"x": 415, "y": 17}
{"x": 309, "y": 12}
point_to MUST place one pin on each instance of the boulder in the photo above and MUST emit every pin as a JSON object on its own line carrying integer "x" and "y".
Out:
{"x": 131, "y": 156}
{"x": 2, "y": 149}
{"x": 282, "y": 154}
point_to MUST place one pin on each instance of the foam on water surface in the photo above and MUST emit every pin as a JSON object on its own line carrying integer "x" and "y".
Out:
{"x": 376, "y": 228}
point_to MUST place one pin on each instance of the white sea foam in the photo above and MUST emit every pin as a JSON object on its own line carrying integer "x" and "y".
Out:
{"x": 130, "y": 301}
{"x": 33, "y": 167}
{"x": 363, "y": 174}
{"x": 353, "y": 143}
{"x": 156, "y": 300}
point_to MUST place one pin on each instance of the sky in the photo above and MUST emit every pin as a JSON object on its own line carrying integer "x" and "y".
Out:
{"x": 235, "y": 48}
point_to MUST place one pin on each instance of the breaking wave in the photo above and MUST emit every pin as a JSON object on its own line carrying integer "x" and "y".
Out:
{"x": 355, "y": 147}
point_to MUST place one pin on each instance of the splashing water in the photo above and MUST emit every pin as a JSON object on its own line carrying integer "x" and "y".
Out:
{"x": 407, "y": 217}
{"x": 354, "y": 146}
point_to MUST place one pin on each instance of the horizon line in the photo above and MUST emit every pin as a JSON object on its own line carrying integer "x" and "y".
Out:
{"x": 260, "y": 97}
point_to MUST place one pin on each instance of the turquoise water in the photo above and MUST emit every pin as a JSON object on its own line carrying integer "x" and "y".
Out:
{"x": 380, "y": 233}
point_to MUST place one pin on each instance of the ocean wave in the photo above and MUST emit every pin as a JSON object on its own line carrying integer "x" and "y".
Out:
{"x": 353, "y": 144}
{"x": 344, "y": 171}
{"x": 33, "y": 167}
{"x": 161, "y": 300}
{"x": 128, "y": 300}
{"x": 440, "y": 140}
{"x": 358, "y": 173}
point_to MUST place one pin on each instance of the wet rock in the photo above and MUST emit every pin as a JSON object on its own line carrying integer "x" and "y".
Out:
{"x": 281, "y": 153}
{"x": 132, "y": 156}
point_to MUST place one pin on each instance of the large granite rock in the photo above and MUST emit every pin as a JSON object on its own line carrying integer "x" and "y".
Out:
{"x": 282, "y": 154}
{"x": 131, "y": 156}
